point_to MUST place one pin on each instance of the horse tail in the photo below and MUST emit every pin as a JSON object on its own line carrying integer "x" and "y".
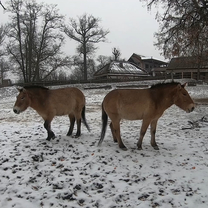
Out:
{"x": 84, "y": 119}
{"x": 104, "y": 125}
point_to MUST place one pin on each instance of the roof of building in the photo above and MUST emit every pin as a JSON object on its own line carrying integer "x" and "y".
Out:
{"x": 185, "y": 63}
{"x": 135, "y": 58}
{"x": 155, "y": 61}
{"x": 120, "y": 68}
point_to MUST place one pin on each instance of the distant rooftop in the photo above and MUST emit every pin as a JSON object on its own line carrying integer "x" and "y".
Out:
{"x": 120, "y": 68}
{"x": 135, "y": 58}
{"x": 186, "y": 62}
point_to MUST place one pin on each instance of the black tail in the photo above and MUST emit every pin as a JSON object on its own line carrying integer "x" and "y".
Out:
{"x": 84, "y": 119}
{"x": 104, "y": 125}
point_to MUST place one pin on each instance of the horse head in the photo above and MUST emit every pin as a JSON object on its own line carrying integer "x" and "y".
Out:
{"x": 182, "y": 98}
{"x": 22, "y": 102}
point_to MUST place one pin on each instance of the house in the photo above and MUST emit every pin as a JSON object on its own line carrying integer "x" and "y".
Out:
{"x": 5, "y": 82}
{"x": 151, "y": 65}
{"x": 120, "y": 70}
{"x": 187, "y": 67}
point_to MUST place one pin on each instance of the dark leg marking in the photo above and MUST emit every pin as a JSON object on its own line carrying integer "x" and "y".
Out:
{"x": 78, "y": 128}
{"x": 72, "y": 121}
{"x": 47, "y": 126}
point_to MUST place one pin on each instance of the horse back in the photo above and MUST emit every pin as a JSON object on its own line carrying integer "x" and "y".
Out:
{"x": 131, "y": 104}
{"x": 66, "y": 100}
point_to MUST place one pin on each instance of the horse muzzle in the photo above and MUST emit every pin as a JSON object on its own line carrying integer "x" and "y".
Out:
{"x": 17, "y": 111}
{"x": 191, "y": 108}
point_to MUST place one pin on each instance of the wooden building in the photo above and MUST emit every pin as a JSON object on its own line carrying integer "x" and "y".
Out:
{"x": 187, "y": 67}
{"x": 151, "y": 65}
{"x": 5, "y": 82}
{"x": 120, "y": 70}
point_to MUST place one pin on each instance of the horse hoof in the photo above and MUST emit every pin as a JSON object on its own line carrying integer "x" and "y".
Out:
{"x": 156, "y": 147}
{"x": 139, "y": 146}
{"x": 124, "y": 148}
{"x": 49, "y": 138}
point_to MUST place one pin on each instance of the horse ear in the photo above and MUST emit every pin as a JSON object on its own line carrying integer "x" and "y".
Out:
{"x": 179, "y": 86}
{"x": 19, "y": 89}
{"x": 184, "y": 85}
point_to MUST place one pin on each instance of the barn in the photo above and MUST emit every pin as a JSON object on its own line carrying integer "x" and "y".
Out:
{"x": 120, "y": 70}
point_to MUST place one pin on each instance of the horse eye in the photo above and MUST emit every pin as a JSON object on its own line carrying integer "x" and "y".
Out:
{"x": 22, "y": 98}
{"x": 184, "y": 94}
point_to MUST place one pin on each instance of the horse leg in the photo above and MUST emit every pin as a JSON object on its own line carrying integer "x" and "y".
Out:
{"x": 72, "y": 121}
{"x": 113, "y": 132}
{"x": 153, "y": 131}
{"x": 116, "y": 128}
{"x": 143, "y": 130}
{"x": 78, "y": 120}
{"x": 47, "y": 126}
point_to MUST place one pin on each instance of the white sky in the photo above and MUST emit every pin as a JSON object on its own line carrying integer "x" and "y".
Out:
{"x": 131, "y": 25}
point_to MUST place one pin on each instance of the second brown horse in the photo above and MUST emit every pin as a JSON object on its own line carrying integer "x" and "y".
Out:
{"x": 142, "y": 104}
{"x": 49, "y": 103}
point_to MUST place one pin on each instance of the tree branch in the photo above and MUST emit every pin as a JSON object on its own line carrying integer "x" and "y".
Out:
{"x": 2, "y": 6}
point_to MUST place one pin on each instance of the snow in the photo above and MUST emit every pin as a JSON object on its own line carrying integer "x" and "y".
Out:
{"x": 116, "y": 67}
{"x": 74, "y": 172}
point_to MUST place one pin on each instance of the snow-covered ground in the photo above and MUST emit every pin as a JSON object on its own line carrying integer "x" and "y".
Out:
{"x": 74, "y": 172}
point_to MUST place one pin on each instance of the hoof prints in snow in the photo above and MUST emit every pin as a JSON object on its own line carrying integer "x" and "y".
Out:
{"x": 74, "y": 172}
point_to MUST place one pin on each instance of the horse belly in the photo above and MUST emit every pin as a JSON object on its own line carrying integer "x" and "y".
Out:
{"x": 65, "y": 109}
{"x": 127, "y": 104}
{"x": 70, "y": 103}
{"x": 131, "y": 114}
{"x": 62, "y": 112}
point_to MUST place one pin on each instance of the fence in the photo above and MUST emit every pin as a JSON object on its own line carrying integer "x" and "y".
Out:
{"x": 99, "y": 81}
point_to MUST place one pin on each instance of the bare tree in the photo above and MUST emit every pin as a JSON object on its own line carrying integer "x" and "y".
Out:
{"x": 35, "y": 39}
{"x": 116, "y": 54}
{"x": 4, "y": 67}
{"x": 78, "y": 68}
{"x": 183, "y": 29}
{"x": 87, "y": 32}
{"x": 103, "y": 60}
{"x": 3, "y": 33}
{"x": 2, "y": 6}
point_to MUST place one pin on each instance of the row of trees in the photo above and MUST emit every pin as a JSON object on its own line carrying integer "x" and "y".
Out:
{"x": 33, "y": 38}
{"x": 31, "y": 42}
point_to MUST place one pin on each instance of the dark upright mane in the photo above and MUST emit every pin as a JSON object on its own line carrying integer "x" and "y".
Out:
{"x": 35, "y": 87}
{"x": 158, "y": 85}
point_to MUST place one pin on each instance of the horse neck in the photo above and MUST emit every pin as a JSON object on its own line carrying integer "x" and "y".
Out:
{"x": 164, "y": 97}
{"x": 37, "y": 99}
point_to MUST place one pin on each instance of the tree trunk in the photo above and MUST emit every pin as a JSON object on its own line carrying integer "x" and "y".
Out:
{"x": 85, "y": 61}
{"x": 198, "y": 73}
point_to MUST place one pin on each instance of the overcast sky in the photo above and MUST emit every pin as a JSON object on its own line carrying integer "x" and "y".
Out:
{"x": 131, "y": 25}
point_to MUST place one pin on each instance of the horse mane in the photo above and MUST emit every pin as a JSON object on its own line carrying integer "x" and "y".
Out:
{"x": 27, "y": 87}
{"x": 159, "y": 85}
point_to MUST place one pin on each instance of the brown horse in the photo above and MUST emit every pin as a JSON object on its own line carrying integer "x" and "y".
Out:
{"x": 142, "y": 104}
{"x": 50, "y": 103}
